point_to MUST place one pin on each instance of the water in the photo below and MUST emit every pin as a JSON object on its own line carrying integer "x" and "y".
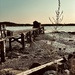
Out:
{"x": 18, "y": 28}
{"x": 47, "y": 28}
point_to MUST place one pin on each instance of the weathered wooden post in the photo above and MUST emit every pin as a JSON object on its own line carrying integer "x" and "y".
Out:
{"x": 22, "y": 41}
{"x": 9, "y": 33}
{"x": 29, "y": 37}
{"x": 3, "y": 30}
{"x": 1, "y": 33}
{"x": 2, "y": 50}
{"x": 43, "y": 30}
{"x": 34, "y": 34}
{"x": 10, "y": 47}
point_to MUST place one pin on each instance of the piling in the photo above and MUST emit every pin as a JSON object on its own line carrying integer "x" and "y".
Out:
{"x": 2, "y": 50}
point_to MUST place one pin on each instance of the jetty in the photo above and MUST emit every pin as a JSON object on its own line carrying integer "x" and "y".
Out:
{"x": 20, "y": 36}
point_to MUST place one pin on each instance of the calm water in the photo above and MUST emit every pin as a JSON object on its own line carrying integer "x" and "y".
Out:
{"x": 47, "y": 28}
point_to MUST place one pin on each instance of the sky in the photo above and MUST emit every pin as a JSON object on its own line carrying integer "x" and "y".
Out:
{"x": 27, "y": 11}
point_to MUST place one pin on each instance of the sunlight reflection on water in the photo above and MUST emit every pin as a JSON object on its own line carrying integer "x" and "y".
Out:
{"x": 47, "y": 28}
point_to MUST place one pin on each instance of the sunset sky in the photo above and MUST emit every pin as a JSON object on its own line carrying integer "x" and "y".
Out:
{"x": 27, "y": 11}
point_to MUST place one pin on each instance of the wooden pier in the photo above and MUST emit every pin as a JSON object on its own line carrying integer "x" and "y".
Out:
{"x": 25, "y": 36}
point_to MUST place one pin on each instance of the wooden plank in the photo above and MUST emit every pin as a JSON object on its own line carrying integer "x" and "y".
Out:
{"x": 39, "y": 67}
{"x": 21, "y": 31}
{"x": 18, "y": 32}
{"x": 2, "y": 39}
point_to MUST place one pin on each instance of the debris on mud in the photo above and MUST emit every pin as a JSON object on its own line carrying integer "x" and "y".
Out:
{"x": 44, "y": 49}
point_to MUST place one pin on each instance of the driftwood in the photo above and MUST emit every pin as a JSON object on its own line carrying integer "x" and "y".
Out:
{"x": 39, "y": 67}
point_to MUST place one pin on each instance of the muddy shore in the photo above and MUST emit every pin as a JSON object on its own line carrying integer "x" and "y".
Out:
{"x": 45, "y": 48}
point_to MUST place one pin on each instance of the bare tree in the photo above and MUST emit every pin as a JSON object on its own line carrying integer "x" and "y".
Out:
{"x": 59, "y": 17}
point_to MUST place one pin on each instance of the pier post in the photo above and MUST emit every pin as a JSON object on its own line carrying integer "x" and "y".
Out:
{"x": 22, "y": 41}
{"x": 29, "y": 37}
{"x": 34, "y": 34}
{"x": 43, "y": 30}
{"x": 2, "y": 50}
{"x": 3, "y": 30}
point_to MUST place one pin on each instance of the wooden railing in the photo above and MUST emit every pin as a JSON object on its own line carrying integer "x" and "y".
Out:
{"x": 15, "y": 36}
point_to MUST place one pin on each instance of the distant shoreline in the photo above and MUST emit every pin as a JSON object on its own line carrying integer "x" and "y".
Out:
{"x": 15, "y": 24}
{"x": 43, "y": 25}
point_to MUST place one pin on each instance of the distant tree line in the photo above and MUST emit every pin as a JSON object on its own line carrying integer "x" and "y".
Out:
{"x": 15, "y": 24}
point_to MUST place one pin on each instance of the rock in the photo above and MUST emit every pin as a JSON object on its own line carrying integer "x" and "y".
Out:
{"x": 50, "y": 72}
{"x": 67, "y": 72}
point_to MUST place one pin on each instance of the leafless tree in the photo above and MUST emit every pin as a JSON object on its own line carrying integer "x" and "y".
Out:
{"x": 59, "y": 17}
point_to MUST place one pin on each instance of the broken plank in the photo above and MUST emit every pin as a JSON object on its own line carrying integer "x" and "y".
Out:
{"x": 39, "y": 67}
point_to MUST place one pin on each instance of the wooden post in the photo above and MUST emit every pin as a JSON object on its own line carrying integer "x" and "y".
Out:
{"x": 2, "y": 50}
{"x": 43, "y": 30}
{"x": 29, "y": 37}
{"x": 10, "y": 47}
{"x": 0, "y": 33}
{"x": 34, "y": 35}
{"x": 22, "y": 41}
{"x": 39, "y": 30}
{"x": 3, "y": 31}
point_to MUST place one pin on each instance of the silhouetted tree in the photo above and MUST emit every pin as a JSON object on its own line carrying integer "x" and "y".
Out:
{"x": 59, "y": 17}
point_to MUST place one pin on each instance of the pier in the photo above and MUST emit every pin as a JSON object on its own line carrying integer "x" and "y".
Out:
{"x": 21, "y": 36}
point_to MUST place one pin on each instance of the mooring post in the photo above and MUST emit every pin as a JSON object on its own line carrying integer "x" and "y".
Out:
{"x": 2, "y": 50}
{"x": 22, "y": 41}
